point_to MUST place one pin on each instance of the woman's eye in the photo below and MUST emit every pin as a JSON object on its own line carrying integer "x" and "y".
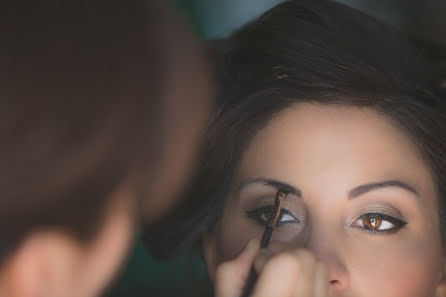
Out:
{"x": 377, "y": 222}
{"x": 283, "y": 217}
{"x": 263, "y": 216}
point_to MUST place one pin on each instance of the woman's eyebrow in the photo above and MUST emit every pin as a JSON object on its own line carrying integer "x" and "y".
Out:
{"x": 279, "y": 185}
{"x": 374, "y": 186}
{"x": 358, "y": 191}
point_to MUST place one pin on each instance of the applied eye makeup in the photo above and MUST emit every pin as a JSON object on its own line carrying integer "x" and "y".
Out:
{"x": 260, "y": 208}
{"x": 378, "y": 223}
{"x": 374, "y": 221}
{"x": 263, "y": 214}
{"x": 371, "y": 217}
{"x": 378, "y": 218}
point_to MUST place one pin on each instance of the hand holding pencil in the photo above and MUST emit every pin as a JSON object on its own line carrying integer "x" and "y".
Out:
{"x": 281, "y": 269}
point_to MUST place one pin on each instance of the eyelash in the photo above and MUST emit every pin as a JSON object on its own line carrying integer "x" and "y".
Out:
{"x": 398, "y": 224}
{"x": 257, "y": 213}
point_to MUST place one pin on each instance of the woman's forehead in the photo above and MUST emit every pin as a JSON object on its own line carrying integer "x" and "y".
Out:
{"x": 334, "y": 145}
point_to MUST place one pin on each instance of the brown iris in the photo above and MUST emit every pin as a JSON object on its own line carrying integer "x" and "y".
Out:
{"x": 269, "y": 214}
{"x": 372, "y": 223}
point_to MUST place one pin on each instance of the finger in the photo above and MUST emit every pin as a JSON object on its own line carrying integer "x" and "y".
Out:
{"x": 305, "y": 283}
{"x": 265, "y": 254}
{"x": 279, "y": 276}
{"x": 231, "y": 276}
{"x": 321, "y": 283}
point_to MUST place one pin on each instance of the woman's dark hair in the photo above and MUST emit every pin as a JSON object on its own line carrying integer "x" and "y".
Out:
{"x": 82, "y": 107}
{"x": 309, "y": 51}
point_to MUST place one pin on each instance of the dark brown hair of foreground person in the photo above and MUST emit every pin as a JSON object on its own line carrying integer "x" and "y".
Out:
{"x": 85, "y": 103}
{"x": 317, "y": 52}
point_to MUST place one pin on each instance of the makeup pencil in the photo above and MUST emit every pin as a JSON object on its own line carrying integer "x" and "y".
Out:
{"x": 278, "y": 202}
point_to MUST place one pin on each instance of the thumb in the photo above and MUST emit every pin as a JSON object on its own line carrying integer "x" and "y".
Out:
{"x": 231, "y": 276}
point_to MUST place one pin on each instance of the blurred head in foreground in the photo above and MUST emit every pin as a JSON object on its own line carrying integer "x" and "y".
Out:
{"x": 101, "y": 105}
{"x": 322, "y": 99}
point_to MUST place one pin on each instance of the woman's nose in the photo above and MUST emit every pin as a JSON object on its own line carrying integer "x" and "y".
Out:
{"x": 327, "y": 246}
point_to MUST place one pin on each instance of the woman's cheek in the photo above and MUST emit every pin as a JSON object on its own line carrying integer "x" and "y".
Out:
{"x": 405, "y": 270}
{"x": 233, "y": 235}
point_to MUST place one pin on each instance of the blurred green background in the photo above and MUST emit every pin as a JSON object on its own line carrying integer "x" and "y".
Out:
{"x": 216, "y": 19}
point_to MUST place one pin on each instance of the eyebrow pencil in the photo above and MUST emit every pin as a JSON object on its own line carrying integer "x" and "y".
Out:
{"x": 272, "y": 221}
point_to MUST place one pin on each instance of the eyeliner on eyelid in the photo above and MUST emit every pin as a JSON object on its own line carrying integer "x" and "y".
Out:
{"x": 378, "y": 219}
{"x": 257, "y": 213}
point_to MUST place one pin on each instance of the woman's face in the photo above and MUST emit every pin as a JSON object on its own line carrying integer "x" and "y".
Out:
{"x": 364, "y": 201}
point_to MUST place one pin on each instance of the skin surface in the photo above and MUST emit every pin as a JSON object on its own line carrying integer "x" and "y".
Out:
{"x": 330, "y": 155}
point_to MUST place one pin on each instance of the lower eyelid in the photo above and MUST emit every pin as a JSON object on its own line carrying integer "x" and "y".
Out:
{"x": 382, "y": 232}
